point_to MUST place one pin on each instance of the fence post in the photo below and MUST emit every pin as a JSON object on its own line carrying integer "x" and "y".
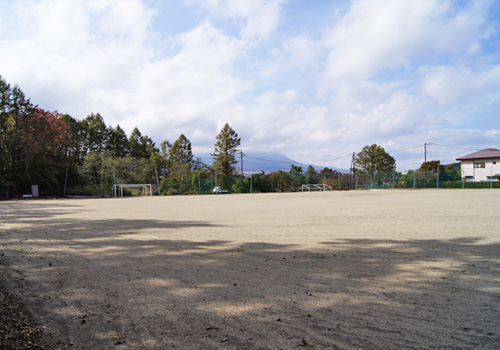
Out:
{"x": 393, "y": 184}
{"x": 491, "y": 175}
{"x": 437, "y": 178}
{"x": 414, "y": 178}
{"x": 199, "y": 184}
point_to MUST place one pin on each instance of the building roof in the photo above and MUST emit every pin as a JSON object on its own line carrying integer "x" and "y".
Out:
{"x": 482, "y": 154}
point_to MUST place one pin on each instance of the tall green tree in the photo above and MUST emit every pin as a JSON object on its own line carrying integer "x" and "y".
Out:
{"x": 181, "y": 151}
{"x": 374, "y": 159}
{"x": 224, "y": 156}
{"x": 296, "y": 174}
{"x": 118, "y": 143}
{"x": 20, "y": 106}
{"x": 178, "y": 179}
{"x": 311, "y": 175}
{"x": 96, "y": 133}
{"x": 142, "y": 146}
{"x": 5, "y": 129}
{"x": 76, "y": 143}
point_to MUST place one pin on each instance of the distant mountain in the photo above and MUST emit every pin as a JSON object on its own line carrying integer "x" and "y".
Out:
{"x": 255, "y": 162}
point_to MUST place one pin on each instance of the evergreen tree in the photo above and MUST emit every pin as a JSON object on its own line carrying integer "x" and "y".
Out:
{"x": 118, "y": 143}
{"x": 142, "y": 146}
{"x": 76, "y": 150}
{"x": 224, "y": 156}
{"x": 96, "y": 133}
{"x": 5, "y": 96}
{"x": 181, "y": 152}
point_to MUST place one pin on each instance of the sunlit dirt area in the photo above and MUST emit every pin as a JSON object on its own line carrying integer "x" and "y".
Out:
{"x": 325, "y": 270}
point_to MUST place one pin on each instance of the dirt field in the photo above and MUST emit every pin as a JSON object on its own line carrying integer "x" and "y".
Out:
{"x": 343, "y": 270}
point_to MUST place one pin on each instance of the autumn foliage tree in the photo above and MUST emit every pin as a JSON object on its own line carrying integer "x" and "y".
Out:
{"x": 42, "y": 149}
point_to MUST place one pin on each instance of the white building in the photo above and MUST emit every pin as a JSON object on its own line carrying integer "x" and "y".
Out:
{"x": 482, "y": 165}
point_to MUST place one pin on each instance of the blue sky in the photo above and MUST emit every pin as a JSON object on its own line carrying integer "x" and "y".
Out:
{"x": 314, "y": 80}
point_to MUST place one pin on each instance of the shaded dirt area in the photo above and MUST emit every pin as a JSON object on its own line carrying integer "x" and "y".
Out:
{"x": 18, "y": 328}
{"x": 360, "y": 270}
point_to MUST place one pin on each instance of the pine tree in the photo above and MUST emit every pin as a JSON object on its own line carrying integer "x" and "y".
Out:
{"x": 118, "y": 143}
{"x": 181, "y": 152}
{"x": 224, "y": 156}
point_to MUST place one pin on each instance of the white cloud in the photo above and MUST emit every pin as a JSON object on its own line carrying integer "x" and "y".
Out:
{"x": 102, "y": 62}
{"x": 391, "y": 34}
{"x": 68, "y": 54}
{"x": 182, "y": 93}
{"x": 303, "y": 51}
{"x": 449, "y": 85}
{"x": 396, "y": 73}
{"x": 260, "y": 18}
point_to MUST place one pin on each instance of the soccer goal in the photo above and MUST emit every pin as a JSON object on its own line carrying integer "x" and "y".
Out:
{"x": 316, "y": 187}
{"x": 146, "y": 189}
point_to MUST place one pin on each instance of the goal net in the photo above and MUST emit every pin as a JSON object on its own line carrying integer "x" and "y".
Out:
{"x": 316, "y": 187}
{"x": 146, "y": 189}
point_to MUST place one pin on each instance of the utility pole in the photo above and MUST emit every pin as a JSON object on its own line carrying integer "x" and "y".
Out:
{"x": 353, "y": 170}
{"x": 241, "y": 154}
{"x": 157, "y": 181}
{"x": 425, "y": 165}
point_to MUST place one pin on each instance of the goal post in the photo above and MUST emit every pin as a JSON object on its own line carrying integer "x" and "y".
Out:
{"x": 146, "y": 189}
{"x": 317, "y": 187}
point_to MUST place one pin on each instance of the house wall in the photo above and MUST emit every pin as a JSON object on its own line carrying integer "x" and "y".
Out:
{"x": 491, "y": 167}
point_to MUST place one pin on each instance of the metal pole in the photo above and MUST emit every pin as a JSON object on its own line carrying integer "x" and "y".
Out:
{"x": 437, "y": 178}
{"x": 157, "y": 182}
{"x": 199, "y": 186}
{"x": 425, "y": 165}
{"x": 251, "y": 183}
{"x": 414, "y": 179}
{"x": 241, "y": 154}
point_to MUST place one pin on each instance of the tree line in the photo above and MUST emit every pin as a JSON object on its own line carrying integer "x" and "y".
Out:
{"x": 66, "y": 156}
{"x": 63, "y": 155}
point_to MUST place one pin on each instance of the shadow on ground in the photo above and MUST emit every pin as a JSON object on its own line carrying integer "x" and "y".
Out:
{"x": 103, "y": 284}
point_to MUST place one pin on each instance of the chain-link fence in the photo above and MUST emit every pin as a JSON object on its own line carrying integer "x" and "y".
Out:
{"x": 280, "y": 181}
{"x": 418, "y": 179}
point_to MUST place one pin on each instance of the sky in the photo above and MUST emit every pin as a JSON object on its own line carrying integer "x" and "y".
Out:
{"x": 313, "y": 80}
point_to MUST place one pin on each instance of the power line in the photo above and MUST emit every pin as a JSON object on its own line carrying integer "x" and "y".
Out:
{"x": 405, "y": 149}
{"x": 268, "y": 160}
{"x": 329, "y": 160}
{"x": 467, "y": 149}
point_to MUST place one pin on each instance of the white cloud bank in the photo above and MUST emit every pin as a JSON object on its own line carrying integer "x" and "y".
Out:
{"x": 397, "y": 73}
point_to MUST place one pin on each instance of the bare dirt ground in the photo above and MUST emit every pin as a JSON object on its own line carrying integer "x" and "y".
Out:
{"x": 342, "y": 270}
